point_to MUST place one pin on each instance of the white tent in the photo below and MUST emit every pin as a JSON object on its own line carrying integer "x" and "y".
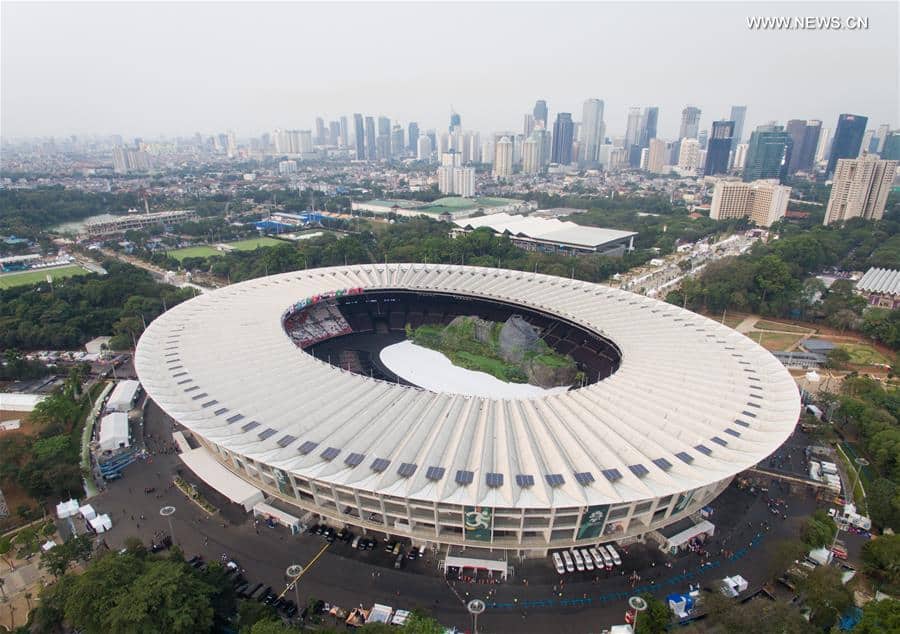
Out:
{"x": 18, "y": 402}
{"x": 208, "y": 469}
{"x": 47, "y": 545}
{"x": 678, "y": 540}
{"x": 114, "y": 431}
{"x": 122, "y": 397}
{"x": 87, "y": 512}
{"x": 101, "y": 523}
{"x": 67, "y": 509}
{"x": 380, "y": 614}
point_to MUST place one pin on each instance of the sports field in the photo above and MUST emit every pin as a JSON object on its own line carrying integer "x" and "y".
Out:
{"x": 26, "y": 278}
{"x": 862, "y": 354}
{"x": 204, "y": 251}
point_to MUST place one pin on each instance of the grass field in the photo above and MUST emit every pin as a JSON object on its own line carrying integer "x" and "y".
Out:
{"x": 774, "y": 341}
{"x": 862, "y": 354}
{"x": 194, "y": 252}
{"x": 253, "y": 243}
{"x": 204, "y": 251}
{"x": 26, "y": 278}
{"x": 762, "y": 324}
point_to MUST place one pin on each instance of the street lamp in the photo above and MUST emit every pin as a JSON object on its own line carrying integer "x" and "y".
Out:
{"x": 167, "y": 512}
{"x": 293, "y": 572}
{"x": 475, "y": 607}
{"x": 637, "y": 604}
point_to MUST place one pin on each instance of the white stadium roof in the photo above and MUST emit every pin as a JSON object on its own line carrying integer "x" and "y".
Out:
{"x": 692, "y": 403}
{"x": 546, "y": 230}
{"x": 878, "y": 280}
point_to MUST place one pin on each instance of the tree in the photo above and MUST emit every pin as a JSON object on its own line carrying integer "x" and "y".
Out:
{"x": 879, "y": 617}
{"x": 5, "y": 549}
{"x": 784, "y": 553}
{"x": 881, "y": 560}
{"x": 271, "y": 626}
{"x": 251, "y": 612}
{"x": 57, "y": 560}
{"x": 655, "y": 619}
{"x": 837, "y": 358}
{"x": 825, "y": 595}
{"x": 883, "y": 502}
{"x": 819, "y": 530}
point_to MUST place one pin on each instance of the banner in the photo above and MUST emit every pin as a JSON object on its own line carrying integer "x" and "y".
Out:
{"x": 478, "y": 521}
{"x": 683, "y": 500}
{"x": 592, "y": 521}
{"x": 284, "y": 483}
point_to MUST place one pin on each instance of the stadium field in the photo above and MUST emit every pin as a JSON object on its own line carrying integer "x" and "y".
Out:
{"x": 26, "y": 278}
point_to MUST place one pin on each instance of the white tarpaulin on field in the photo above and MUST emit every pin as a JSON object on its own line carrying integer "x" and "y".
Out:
{"x": 208, "y": 469}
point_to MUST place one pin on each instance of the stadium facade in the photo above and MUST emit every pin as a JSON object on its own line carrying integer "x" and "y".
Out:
{"x": 680, "y": 406}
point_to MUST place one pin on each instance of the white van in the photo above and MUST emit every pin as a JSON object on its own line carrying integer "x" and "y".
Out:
{"x": 558, "y": 563}
{"x": 588, "y": 561}
{"x": 579, "y": 562}
{"x": 615, "y": 556}
{"x": 607, "y": 558}
{"x": 598, "y": 558}
{"x": 570, "y": 567}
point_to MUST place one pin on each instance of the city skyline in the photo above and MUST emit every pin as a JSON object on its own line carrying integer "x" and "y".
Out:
{"x": 59, "y": 80}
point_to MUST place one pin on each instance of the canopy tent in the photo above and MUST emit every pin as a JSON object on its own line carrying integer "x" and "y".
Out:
{"x": 47, "y": 545}
{"x": 67, "y": 509}
{"x": 208, "y": 469}
{"x": 18, "y": 402}
{"x": 114, "y": 431}
{"x": 285, "y": 519}
{"x": 678, "y": 540}
{"x": 181, "y": 441}
{"x": 476, "y": 559}
{"x": 101, "y": 523}
{"x": 87, "y": 512}
{"x": 123, "y": 395}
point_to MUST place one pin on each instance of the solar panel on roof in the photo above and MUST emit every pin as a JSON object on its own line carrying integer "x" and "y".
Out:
{"x": 307, "y": 447}
{"x": 220, "y": 411}
{"x": 750, "y": 414}
{"x": 733, "y": 432}
{"x": 284, "y": 441}
{"x": 685, "y": 457}
{"x": 407, "y": 469}
{"x": 197, "y": 397}
{"x": 330, "y": 453}
{"x": 251, "y": 425}
{"x": 703, "y": 449}
{"x": 612, "y": 474}
{"x": 176, "y": 367}
{"x": 741, "y": 423}
{"x": 719, "y": 441}
{"x": 525, "y": 480}
{"x": 555, "y": 479}
{"x": 354, "y": 459}
{"x": 235, "y": 418}
{"x": 434, "y": 473}
{"x": 266, "y": 433}
{"x": 584, "y": 478}
{"x": 179, "y": 374}
{"x": 663, "y": 464}
{"x": 494, "y": 479}
{"x": 465, "y": 477}
{"x": 191, "y": 389}
{"x": 380, "y": 464}
{"x": 639, "y": 470}
{"x": 209, "y": 403}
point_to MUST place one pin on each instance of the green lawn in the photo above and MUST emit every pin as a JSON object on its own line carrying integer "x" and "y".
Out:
{"x": 194, "y": 252}
{"x": 253, "y": 243}
{"x": 762, "y": 324}
{"x": 862, "y": 354}
{"x": 26, "y": 278}
{"x": 204, "y": 251}
{"x": 774, "y": 341}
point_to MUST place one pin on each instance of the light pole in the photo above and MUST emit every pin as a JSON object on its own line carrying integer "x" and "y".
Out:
{"x": 637, "y": 604}
{"x": 293, "y": 572}
{"x": 475, "y": 607}
{"x": 167, "y": 512}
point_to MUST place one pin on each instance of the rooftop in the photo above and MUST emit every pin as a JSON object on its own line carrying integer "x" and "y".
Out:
{"x": 880, "y": 281}
{"x": 548, "y": 230}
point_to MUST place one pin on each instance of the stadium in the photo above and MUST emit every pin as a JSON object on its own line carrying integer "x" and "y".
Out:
{"x": 281, "y": 380}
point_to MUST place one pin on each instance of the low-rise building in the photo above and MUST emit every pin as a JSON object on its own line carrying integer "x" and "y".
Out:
{"x": 880, "y": 287}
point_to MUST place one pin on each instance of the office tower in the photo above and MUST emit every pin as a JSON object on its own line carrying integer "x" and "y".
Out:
{"x": 690, "y": 123}
{"x": 384, "y": 126}
{"x": 633, "y": 135}
{"x": 883, "y": 131}
{"x": 718, "y": 149}
{"x": 868, "y": 141}
{"x": 805, "y": 140}
{"x": 360, "y": 137}
{"x": 768, "y": 153}
{"x": 397, "y": 144}
{"x": 738, "y": 114}
{"x": 563, "y": 129}
{"x": 703, "y": 138}
{"x": 649, "y": 121}
{"x": 320, "y": 131}
{"x": 383, "y": 147}
{"x": 689, "y": 156}
{"x": 540, "y": 113}
{"x": 306, "y": 141}
{"x": 891, "y": 149}
{"x": 424, "y": 148}
{"x": 230, "y": 144}
{"x": 739, "y": 158}
{"x": 656, "y": 157}
{"x": 473, "y": 143}
{"x": 503, "y": 159}
{"x": 334, "y": 133}
{"x": 592, "y": 131}
{"x": 487, "y": 152}
{"x": 528, "y": 125}
{"x": 531, "y": 156}
{"x": 860, "y": 189}
{"x": 371, "y": 154}
{"x": 764, "y": 202}
{"x": 455, "y": 121}
{"x": 847, "y": 139}
{"x": 824, "y": 146}
{"x": 412, "y": 136}
{"x": 344, "y": 139}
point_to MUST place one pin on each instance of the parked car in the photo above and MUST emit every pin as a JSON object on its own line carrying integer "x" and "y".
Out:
{"x": 567, "y": 558}
{"x": 614, "y": 554}
{"x": 558, "y": 563}
{"x": 398, "y": 562}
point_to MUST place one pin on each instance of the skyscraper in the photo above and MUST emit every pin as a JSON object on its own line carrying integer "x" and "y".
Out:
{"x": 360, "y": 137}
{"x": 592, "y": 131}
{"x": 847, "y": 139}
{"x": 689, "y": 156}
{"x": 656, "y": 157}
{"x": 455, "y": 121}
{"x": 719, "y": 148}
{"x": 649, "y": 120}
{"x": 690, "y": 123}
{"x": 738, "y": 114}
{"x": 371, "y": 153}
{"x": 540, "y": 113}
{"x": 563, "y": 129}
{"x": 805, "y": 139}
{"x": 412, "y": 136}
{"x": 633, "y": 136}
{"x": 424, "y": 148}
{"x": 397, "y": 145}
{"x": 531, "y": 156}
{"x": 503, "y": 159}
{"x": 344, "y": 139}
{"x": 768, "y": 153}
{"x": 860, "y": 189}
{"x": 891, "y": 148}
{"x": 320, "y": 131}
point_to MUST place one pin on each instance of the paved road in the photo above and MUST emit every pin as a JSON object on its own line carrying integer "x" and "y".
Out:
{"x": 350, "y": 578}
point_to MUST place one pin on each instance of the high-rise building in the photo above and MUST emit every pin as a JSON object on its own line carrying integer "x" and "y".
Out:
{"x": 383, "y": 147}
{"x": 230, "y": 144}
{"x": 739, "y": 159}
{"x": 883, "y": 130}
{"x": 306, "y": 141}
{"x": 869, "y": 143}
{"x": 455, "y": 121}
{"x": 823, "y": 149}
{"x": 804, "y": 138}
{"x": 371, "y": 152}
{"x": 360, "y": 137}
{"x": 503, "y": 159}
{"x": 531, "y": 155}
{"x": 384, "y": 126}
{"x": 690, "y": 123}
{"x": 738, "y": 114}
{"x": 847, "y": 139}
{"x": 334, "y": 132}
{"x": 768, "y": 153}
{"x": 397, "y": 144}
{"x": 563, "y": 131}
{"x": 453, "y": 178}
{"x": 703, "y": 138}
{"x": 718, "y": 149}
{"x": 860, "y": 189}
{"x": 424, "y": 148}
{"x": 633, "y": 136}
{"x": 528, "y": 124}
{"x": 320, "y": 131}
{"x": 656, "y": 157}
{"x": 593, "y": 131}
{"x": 649, "y": 121}
{"x": 344, "y": 138}
{"x": 412, "y": 136}
{"x": 540, "y": 113}
{"x": 765, "y": 201}
{"x": 689, "y": 156}
{"x": 891, "y": 148}
{"x": 464, "y": 181}
{"x": 473, "y": 144}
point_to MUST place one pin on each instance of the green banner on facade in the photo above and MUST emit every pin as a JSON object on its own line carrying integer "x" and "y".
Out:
{"x": 478, "y": 520}
{"x": 592, "y": 521}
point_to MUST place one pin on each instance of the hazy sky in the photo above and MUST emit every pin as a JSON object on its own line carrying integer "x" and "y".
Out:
{"x": 165, "y": 68}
